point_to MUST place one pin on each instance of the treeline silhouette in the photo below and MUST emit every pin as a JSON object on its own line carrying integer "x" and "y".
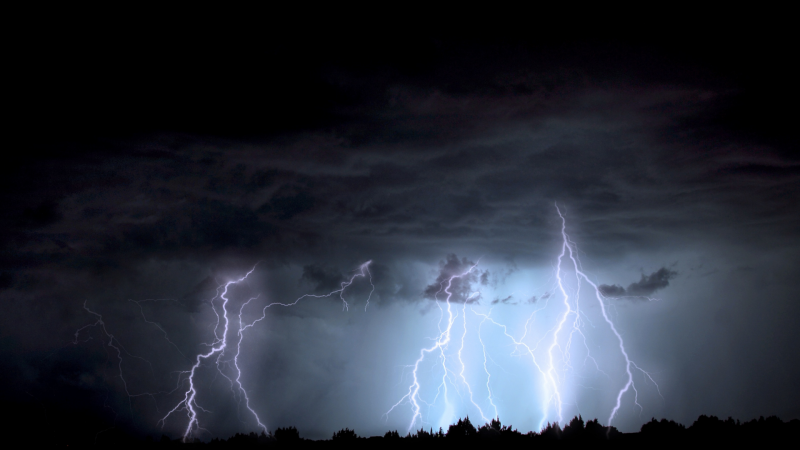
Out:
{"x": 706, "y": 430}
{"x": 61, "y": 428}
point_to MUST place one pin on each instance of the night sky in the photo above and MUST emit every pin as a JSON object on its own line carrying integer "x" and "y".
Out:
{"x": 147, "y": 162}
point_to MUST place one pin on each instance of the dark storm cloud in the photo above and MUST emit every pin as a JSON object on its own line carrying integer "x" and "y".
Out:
{"x": 44, "y": 214}
{"x": 323, "y": 279}
{"x": 642, "y": 288}
{"x": 612, "y": 290}
{"x": 455, "y": 278}
{"x": 6, "y": 280}
{"x": 177, "y": 174}
{"x": 653, "y": 282}
{"x": 288, "y": 202}
{"x": 483, "y": 184}
{"x": 199, "y": 294}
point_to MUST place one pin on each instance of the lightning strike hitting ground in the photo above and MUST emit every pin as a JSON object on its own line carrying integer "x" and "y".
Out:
{"x": 189, "y": 402}
{"x": 441, "y": 343}
{"x": 220, "y": 347}
{"x": 551, "y": 352}
{"x": 486, "y": 370}
{"x": 553, "y": 363}
{"x": 629, "y": 384}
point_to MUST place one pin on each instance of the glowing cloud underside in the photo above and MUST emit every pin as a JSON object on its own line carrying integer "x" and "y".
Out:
{"x": 550, "y": 354}
{"x": 549, "y": 348}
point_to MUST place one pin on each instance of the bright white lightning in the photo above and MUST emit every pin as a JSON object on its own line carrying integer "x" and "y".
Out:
{"x": 441, "y": 343}
{"x": 517, "y": 344}
{"x": 551, "y": 375}
{"x": 363, "y": 272}
{"x": 486, "y": 370}
{"x": 553, "y": 362}
{"x": 239, "y": 371}
{"x": 629, "y": 384}
{"x": 156, "y": 324}
{"x": 117, "y": 347}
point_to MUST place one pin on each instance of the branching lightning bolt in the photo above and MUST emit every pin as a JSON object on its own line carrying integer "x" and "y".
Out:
{"x": 440, "y": 344}
{"x": 219, "y": 349}
{"x": 156, "y": 324}
{"x": 552, "y": 362}
{"x": 629, "y": 384}
{"x": 220, "y": 346}
{"x": 189, "y": 402}
{"x": 118, "y": 348}
{"x": 552, "y": 359}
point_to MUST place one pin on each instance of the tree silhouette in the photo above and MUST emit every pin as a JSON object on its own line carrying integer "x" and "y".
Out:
{"x": 463, "y": 429}
{"x": 706, "y": 430}
{"x": 345, "y": 435}
{"x": 574, "y": 429}
{"x": 393, "y": 435}
{"x": 287, "y": 435}
{"x": 594, "y": 431}
{"x": 552, "y": 431}
{"x": 668, "y": 430}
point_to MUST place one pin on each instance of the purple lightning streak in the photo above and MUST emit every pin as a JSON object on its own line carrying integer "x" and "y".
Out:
{"x": 629, "y": 384}
{"x": 218, "y": 348}
{"x": 441, "y": 343}
{"x": 239, "y": 371}
{"x": 364, "y": 272}
{"x": 156, "y": 324}
{"x": 220, "y": 345}
{"x": 189, "y": 402}
{"x": 118, "y": 347}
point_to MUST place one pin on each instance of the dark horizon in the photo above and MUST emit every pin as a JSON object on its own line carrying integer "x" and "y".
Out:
{"x": 575, "y": 431}
{"x": 446, "y": 173}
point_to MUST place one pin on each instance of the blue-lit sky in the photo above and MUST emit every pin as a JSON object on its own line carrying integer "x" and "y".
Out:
{"x": 174, "y": 169}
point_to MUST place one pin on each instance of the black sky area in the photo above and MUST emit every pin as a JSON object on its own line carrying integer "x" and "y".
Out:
{"x": 151, "y": 155}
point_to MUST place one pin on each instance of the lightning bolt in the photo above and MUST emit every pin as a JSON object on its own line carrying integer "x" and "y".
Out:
{"x": 440, "y": 344}
{"x": 486, "y": 370}
{"x": 363, "y": 272}
{"x": 189, "y": 402}
{"x": 551, "y": 355}
{"x": 517, "y": 343}
{"x": 553, "y": 362}
{"x": 629, "y": 383}
{"x": 156, "y": 324}
{"x": 118, "y": 348}
{"x": 220, "y": 346}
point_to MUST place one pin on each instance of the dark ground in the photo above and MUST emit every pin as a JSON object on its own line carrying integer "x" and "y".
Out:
{"x": 57, "y": 428}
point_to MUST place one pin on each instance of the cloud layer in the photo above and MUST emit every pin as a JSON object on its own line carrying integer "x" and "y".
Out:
{"x": 642, "y": 288}
{"x": 163, "y": 186}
